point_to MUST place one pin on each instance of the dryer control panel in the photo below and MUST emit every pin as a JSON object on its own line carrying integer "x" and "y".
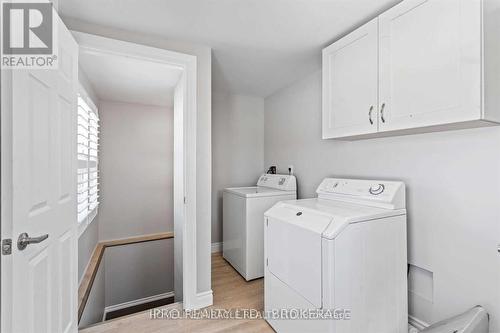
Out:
{"x": 280, "y": 182}
{"x": 384, "y": 194}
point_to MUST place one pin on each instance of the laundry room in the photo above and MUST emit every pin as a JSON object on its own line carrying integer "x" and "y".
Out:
{"x": 451, "y": 174}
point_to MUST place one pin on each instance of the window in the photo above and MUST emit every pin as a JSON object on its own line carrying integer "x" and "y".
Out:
{"x": 88, "y": 174}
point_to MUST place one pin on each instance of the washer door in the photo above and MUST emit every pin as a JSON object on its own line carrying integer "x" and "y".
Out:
{"x": 293, "y": 246}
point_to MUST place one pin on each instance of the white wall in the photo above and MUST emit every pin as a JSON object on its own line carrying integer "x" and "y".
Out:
{"x": 136, "y": 188}
{"x": 238, "y": 148}
{"x": 203, "y": 139}
{"x": 453, "y": 193}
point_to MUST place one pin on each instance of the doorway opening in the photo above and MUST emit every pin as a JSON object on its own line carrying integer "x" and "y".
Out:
{"x": 146, "y": 153}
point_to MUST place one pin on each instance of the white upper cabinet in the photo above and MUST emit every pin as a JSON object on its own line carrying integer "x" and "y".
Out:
{"x": 350, "y": 92}
{"x": 431, "y": 64}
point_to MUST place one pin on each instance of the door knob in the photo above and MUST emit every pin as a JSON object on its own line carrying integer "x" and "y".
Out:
{"x": 24, "y": 240}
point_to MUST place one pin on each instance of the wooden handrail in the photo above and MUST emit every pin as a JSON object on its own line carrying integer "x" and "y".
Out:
{"x": 95, "y": 261}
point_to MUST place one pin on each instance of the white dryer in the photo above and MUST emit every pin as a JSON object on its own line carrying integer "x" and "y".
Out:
{"x": 243, "y": 221}
{"x": 341, "y": 255}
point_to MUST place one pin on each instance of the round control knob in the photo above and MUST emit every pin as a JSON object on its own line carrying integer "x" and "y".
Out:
{"x": 377, "y": 189}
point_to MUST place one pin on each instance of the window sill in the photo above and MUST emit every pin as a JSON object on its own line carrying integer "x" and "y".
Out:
{"x": 82, "y": 226}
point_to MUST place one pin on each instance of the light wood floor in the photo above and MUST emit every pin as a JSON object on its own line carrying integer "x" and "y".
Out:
{"x": 230, "y": 290}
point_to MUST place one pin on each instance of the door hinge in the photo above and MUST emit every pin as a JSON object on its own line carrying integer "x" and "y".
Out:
{"x": 185, "y": 200}
{"x": 267, "y": 222}
{"x": 6, "y": 246}
{"x": 267, "y": 261}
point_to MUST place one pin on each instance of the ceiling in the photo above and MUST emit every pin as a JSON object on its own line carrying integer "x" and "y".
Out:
{"x": 122, "y": 79}
{"x": 259, "y": 46}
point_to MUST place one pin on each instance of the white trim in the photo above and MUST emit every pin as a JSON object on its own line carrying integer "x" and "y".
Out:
{"x": 82, "y": 226}
{"x": 92, "y": 44}
{"x": 139, "y": 301}
{"x": 6, "y": 215}
{"x": 417, "y": 323}
{"x": 203, "y": 299}
{"x": 86, "y": 97}
{"x": 216, "y": 247}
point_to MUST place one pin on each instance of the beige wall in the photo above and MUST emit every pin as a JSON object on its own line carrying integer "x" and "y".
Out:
{"x": 453, "y": 191}
{"x": 136, "y": 188}
{"x": 238, "y": 148}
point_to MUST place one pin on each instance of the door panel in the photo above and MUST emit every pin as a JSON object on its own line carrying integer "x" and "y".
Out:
{"x": 350, "y": 83}
{"x": 65, "y": 291}
{"x": 38, "y": 291}
{"x": 38, "y": 154}
{"x": 430, "y": 63}
{"x": 44, "y": 289}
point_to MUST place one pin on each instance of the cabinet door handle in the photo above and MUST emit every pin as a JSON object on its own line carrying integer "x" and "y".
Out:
{"x": 370, "y": 115}
{"x": 382, "y": 113}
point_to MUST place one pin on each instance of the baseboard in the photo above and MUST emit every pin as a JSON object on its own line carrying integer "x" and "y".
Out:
{"x": 216, "y": 247}
{"x": 204, "y": 299}
{"x": 129, "y": 304}
{"x": 417, "y": 323}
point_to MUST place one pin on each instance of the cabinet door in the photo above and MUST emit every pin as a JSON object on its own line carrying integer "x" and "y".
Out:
{"x": 430, "y": 63}
{"x": 350, "y": 75}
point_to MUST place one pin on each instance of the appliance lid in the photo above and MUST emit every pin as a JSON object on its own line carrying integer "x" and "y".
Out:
{"x": 256, "y": 191}
{"x": 300, "y": 216}
{"x": 340, "y": 213}
{"x": 293, "y": 249}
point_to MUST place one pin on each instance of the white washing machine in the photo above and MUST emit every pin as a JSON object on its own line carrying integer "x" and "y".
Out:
{"x": 341, "y": 256}
{"x": 243, "y": 221}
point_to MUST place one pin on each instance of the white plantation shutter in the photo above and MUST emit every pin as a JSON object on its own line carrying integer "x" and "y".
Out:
{"x": 88, "y": 173}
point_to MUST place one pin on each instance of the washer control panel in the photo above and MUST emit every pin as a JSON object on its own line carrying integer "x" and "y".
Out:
{"x": 382, "y": 193}
{"x": 281, "y": 182}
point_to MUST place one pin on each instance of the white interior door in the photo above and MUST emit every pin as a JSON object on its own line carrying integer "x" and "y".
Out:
{"x": 350, "y": 84}
{"x": 430, "y": 63}
{"x": 44, "y": 277}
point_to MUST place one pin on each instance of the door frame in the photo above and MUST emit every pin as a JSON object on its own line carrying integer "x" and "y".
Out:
{"x": 6, "y": 197}
{"x": 188, "y": 81}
